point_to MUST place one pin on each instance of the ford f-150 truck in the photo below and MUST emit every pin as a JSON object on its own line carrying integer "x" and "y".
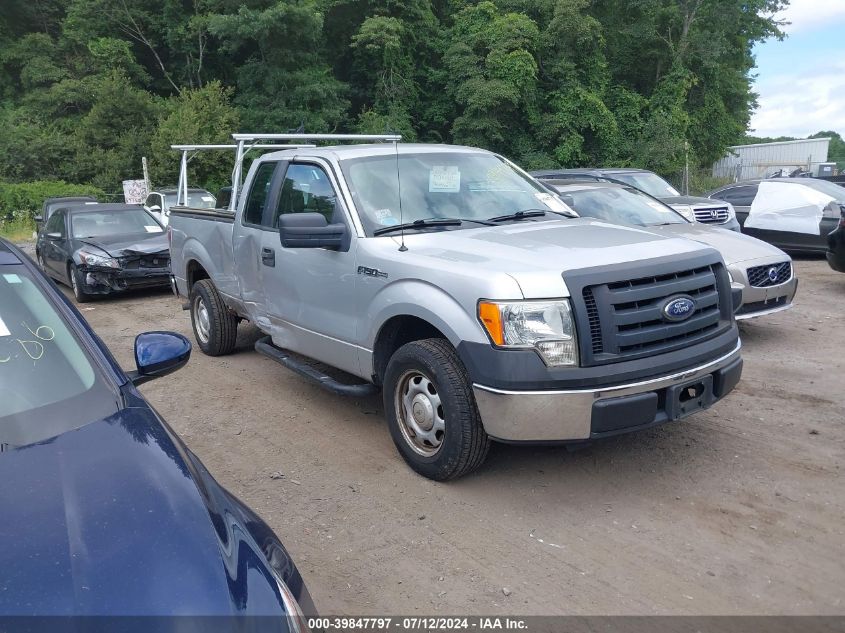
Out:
{"x": 463, "y": 289}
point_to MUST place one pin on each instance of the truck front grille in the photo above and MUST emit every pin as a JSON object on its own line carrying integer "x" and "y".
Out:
{"x": 771, "y": 275}
{"x": 625, "y": 318}
{"x": 711, "y": 215}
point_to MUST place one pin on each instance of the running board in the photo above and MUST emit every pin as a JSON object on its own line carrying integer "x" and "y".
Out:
{"x": 265, "y": 346}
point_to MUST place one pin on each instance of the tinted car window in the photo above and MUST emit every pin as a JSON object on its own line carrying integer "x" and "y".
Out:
{"x": 306, "y": 189}
{"x": 254, "y": 210}
{"x": 738, "y": 196}
{"x": 56, "y": 223}
{"x": 117, "y": 222}
{"x": 48, "y": 384}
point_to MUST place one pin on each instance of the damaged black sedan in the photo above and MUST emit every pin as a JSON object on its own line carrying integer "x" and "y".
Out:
{"x": 99, "y": 249}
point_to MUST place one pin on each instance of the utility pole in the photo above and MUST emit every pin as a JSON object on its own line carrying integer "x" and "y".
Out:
{"x": 146, "y": 173}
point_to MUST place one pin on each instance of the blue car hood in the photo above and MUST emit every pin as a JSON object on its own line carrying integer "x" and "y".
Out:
{"x": 114, "y": 519}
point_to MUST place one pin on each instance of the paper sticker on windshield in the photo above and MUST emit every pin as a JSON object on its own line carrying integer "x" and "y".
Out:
{"x": 444, "y": 180}
{"x": 12, "y": 279}
{"x": 383, "y": 215}
{"x": 4, "y": 331}
{"x": 207, "y": 199}
{"x": 553, "y": 202}
{"x": 153, "y": 229}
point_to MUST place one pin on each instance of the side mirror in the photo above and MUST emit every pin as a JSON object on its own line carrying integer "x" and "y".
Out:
{"x": 54, "y": 236}
{"x": 158, "y": 354}
{"x": 38, "y": 219}
{"x": 310, "y": 230}
{"x": 154, "y": 208}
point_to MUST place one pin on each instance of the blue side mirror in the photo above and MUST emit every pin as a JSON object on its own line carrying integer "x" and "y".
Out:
{"x": 158, "y": 354}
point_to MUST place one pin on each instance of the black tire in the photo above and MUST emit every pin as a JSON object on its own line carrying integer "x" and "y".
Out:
{"x": 75, "y": 278}
{"x": 215, "y": 327}
{"x": 463, "y": 443}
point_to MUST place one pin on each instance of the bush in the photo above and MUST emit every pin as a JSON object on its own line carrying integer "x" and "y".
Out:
{"x": 23, "y": 201}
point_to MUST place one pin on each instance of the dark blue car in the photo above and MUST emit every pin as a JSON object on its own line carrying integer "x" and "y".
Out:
{"x": 105, "y": 512}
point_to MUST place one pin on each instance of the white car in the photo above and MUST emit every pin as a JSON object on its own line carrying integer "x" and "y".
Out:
{"x": 159, "y": 202}
{"x": 762, "y": 275}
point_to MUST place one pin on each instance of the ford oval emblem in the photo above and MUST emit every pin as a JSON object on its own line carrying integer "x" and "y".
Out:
{"x": 678, "y": 308}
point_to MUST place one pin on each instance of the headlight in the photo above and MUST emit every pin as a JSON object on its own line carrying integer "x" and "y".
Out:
{"x": 97, "y": 259}
{"x": 731, "y": 211}
{"x": 685, "y": 210}
{"x": 546, "y": 326}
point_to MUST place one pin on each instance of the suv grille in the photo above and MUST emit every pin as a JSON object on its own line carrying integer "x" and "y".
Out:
{"x": 711, "y": 215}
{"x": 771, "y": 275}
{"x": 625, "y": 319}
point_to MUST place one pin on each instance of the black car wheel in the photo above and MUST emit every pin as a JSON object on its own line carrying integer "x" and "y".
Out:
{"x": 215, "y": 327}
{"x": 77, "y": 286}
{"x": 431, "y": 411}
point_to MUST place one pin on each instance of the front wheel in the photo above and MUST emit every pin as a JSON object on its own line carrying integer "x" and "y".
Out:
{"x": 215, "y": 328}
{"x": 431, "y": 411}
{"x": 77, "y": 286}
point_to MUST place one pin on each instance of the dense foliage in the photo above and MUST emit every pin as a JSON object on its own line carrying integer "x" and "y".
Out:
{"x": 87, "y": 87}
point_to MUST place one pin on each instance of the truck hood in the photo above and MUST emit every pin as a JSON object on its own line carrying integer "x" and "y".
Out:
{"x": 734, "y": 247}
{"x": 692, "y": 200}
{"x": 109, "y": 520}
{"x": 536, "y": 254}
{"x": 129, "y": 245}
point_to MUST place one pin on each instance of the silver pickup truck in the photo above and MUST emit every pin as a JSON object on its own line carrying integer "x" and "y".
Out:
{"x": 464, "y": 290}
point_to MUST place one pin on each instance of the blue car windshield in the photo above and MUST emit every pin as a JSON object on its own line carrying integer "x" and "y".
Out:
{"x": 48, "y": 384}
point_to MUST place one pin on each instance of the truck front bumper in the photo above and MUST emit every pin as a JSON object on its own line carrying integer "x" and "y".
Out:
{"x": 583, "y": 414}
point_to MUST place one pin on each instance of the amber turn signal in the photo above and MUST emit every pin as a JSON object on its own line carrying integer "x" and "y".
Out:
{"x": 491, "y": 317}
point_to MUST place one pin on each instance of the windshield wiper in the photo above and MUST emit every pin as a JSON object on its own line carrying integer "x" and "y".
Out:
{"x": 519, "y": 215}
{"x": 418, "y": 224}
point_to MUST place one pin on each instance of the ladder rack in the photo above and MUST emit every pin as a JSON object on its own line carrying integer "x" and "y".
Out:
{"x": 247, "y": 142}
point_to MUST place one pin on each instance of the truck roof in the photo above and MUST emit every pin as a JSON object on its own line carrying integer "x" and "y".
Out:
{"x": 343, "y": 152}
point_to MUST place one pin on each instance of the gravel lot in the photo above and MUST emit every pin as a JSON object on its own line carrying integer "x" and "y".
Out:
{"x": 740, "y": 509}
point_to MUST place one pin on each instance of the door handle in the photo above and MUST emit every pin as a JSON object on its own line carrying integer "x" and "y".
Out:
{"x": 268, "y": 257}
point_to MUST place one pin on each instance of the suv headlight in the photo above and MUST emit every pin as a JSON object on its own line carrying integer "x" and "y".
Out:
{"x": 546, "y": 326}
{"x": 731, "y": 212}
{"x": 97, "y": 259}
{"x": 685, "y": 210}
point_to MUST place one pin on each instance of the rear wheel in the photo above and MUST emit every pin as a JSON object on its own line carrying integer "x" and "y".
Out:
{"x": 431, "y": 411}
{"x": 76, "y": 284}
{"x": 215, "y": 327}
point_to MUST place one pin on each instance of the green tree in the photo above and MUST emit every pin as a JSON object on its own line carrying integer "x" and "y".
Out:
{"x": 200, "y": 116}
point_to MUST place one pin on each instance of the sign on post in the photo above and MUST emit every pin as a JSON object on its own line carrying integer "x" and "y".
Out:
{"x": 134, "y": 191}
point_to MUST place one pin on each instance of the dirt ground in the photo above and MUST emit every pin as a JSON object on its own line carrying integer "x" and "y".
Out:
{"x": 737, "y": 510}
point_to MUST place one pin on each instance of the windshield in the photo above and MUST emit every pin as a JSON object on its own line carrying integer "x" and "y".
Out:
{"x": 619, "y": 205}
{"x": 455, "y": 185}
{"x": 196, "y": 200}
{"x": 652, "y": 184}
{"x": 115, "y": 222}
{"x": 48, "y": 385}
{"x": 837, "y": 192}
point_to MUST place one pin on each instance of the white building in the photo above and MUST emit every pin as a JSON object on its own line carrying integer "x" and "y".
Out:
{"x": 761, "y": 160}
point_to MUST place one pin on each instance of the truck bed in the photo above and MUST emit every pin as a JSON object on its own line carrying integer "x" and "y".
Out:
{"x": 218, "y": 215}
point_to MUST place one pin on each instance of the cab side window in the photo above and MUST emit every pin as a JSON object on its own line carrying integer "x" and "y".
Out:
{"x": 306, "y": 189}
{"x": 258, "y": 194}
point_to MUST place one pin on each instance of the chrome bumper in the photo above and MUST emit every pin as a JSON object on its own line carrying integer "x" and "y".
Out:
{"x": 547, "y": 416}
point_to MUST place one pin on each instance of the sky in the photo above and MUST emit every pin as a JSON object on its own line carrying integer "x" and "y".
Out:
{"x": 801, "y": 80}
